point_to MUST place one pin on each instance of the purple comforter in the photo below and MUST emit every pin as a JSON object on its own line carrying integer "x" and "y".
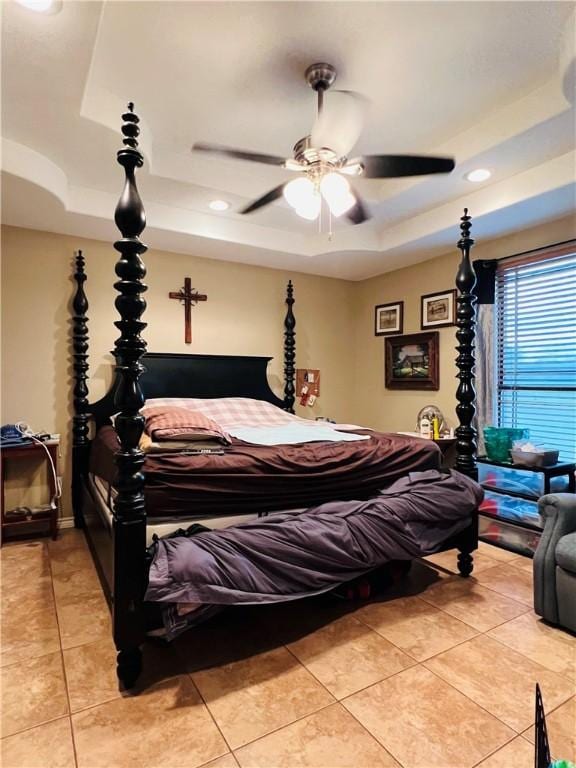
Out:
{"x": 293, "y": 555}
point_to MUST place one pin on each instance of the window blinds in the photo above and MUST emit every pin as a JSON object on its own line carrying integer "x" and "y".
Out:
{"x": 536, "y": 366}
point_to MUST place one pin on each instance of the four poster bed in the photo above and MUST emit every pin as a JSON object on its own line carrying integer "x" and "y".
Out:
{"x": 121, "y": 509}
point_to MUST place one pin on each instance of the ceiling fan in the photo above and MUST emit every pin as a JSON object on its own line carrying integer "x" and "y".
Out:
{"x": 321, "y": 158}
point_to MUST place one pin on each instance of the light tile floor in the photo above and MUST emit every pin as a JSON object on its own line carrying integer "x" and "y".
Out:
{"x": 438, "y": 672}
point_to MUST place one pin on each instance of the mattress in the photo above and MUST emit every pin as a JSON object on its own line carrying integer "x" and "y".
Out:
{"x": 254, "y": 479}
{"x": 103, "y": 495}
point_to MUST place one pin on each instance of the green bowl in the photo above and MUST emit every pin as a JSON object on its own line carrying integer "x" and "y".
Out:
{"x": 499, "y": 441}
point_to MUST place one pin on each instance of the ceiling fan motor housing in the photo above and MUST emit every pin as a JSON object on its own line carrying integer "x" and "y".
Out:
{"x": 311, "y": 156}
{"x": 320, "y": 76}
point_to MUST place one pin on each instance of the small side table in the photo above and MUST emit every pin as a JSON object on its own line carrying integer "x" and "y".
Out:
{"x": 20, "y": 521}
{"x": 446, "y": 444}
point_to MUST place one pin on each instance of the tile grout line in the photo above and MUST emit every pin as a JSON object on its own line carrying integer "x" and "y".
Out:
{"x": 62, "y": 657}
{"x": 511, "y": 648}
{"x": 485, "y": 586}
{"x": 504, "y": 565}
{"x": 199, "y": 692}
{"x": 502, "y": 746}
{"x": 526, "y": 607}
{"x": 421, "y": 661}
{"x": 510, "y": 728}
{"x": 365, "y": 728}
{"x": 37, "y": 725}
{"x": 537, "y": 663}
{"x": 68, "y": 714}
{"x": 502, "y": 594}
{"x": 301, "y": 663}
{"x": 214, "y": 759}
{"x": 518, "y": 733}
{"x": 422, "y": 664}
{"x": 280, "y": 727}
{"x": 461, "y": 621}
{"x": 558, "y": 707}
{"x": 39, "y": 655}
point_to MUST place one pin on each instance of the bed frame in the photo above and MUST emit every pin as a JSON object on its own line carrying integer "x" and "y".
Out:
{"x": 121, "y": 556}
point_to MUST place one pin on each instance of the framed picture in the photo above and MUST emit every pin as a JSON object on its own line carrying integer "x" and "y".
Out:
{"x": 412, "y": 361}
{"x": 389, "y": 318}
{"x": 438, "y": 310}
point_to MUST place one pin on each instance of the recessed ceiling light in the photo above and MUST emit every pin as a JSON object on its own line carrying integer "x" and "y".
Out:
{"x": 41, "y": 6}
{"x": 219, "y": 205}
{"x": 480, "y": 174}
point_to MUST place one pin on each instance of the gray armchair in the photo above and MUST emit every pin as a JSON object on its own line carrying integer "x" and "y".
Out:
{"x": 555, "y": 561}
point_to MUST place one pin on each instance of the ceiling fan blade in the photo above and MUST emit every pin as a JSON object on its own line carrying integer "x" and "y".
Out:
{"x": 340, "y": 123}
{"x": 266, "y": 199}
{"x": 239, "y": 154}
{"x": 358, "y": 213}
{"x": 391, "y": 166}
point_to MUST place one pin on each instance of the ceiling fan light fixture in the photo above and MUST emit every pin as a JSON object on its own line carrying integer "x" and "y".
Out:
{"x": 335, "y": 190}
{"x": 299, "y": 193}
{"x": 343, "y": 205}
{"x": 311, "y": 208}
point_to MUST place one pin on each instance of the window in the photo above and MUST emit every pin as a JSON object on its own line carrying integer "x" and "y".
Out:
{"x": 536, "y": 365}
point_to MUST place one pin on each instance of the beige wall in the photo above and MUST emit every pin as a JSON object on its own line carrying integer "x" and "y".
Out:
{"x": 244, "y": 314}
{"x": 392, "y": 410}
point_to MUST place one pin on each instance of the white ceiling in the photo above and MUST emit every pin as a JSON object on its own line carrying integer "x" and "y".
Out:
{"x": 489, "y": 83}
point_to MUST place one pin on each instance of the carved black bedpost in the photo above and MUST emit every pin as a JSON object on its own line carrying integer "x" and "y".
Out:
{"x": 465, "y": 394}
{"x": 80, "y": 442}
{"x": 289, "y": 350}
{"x": 129, "y": 509}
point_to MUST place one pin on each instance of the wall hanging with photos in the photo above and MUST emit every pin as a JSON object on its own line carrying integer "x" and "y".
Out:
{"x": 307, "y": 385}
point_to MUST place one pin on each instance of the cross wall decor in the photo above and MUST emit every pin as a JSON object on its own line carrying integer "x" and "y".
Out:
{"x": 188, "y": 298}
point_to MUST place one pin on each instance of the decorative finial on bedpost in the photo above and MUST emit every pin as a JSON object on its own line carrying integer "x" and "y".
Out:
{"x": 129, "y": 508}
{"x": 465, "y": 320}
{"x": 465, "y": 227}
{"x": 129, "y": 216}
{"x": 80, "y": 392}
{"x": 289, "y": 350}
{"x": 130, "y": 129}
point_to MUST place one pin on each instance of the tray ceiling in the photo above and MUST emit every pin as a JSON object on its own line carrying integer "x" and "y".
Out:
{"x": 490, "y": 83}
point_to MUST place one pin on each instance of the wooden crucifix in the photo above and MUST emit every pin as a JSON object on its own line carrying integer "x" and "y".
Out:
{"x": 188, "y": 299}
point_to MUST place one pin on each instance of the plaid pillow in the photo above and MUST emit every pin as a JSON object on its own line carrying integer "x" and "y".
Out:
{"x": 168, "y": 422}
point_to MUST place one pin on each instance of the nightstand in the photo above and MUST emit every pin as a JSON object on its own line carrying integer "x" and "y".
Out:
{"x": 509, "y": 513}
{"x": 446, "y": 445}
{"x": 18, "y": 521}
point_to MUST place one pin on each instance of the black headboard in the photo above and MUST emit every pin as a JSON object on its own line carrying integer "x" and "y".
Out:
{"x": 179, "y": 375}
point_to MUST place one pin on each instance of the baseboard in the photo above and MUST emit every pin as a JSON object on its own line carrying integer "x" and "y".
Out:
{"x": 65, "y": 522}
